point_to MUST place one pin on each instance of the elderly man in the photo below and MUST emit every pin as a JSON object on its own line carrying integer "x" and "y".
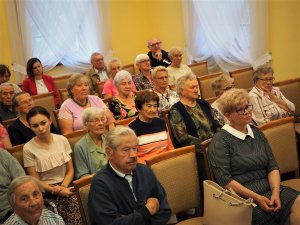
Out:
{"x": 7, "y": 93}
{"x": 10, "y": 168}
{"x": 143, "y": 80}
{"x": 19, "y": 130}
{"x": 26, "y": 199}
{"x": 158, "y": 57}
{"x": 167, "y": 97}
{"x": 97, "y": 72}
{"x": 125, "y": 192}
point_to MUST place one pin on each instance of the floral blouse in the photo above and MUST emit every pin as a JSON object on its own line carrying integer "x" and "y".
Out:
{"x": 120, "y": 110}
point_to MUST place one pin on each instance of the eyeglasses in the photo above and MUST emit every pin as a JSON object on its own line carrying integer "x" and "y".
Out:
{"x": 144, "y": 61}
{"x": 154, "y": 44}
{"x": 244, "y": 110}
{"x": 267, "y": 79}
{"x": 162, "y": 78}
{"x": 102, "y": 120}
{"x": 26, "y": 102}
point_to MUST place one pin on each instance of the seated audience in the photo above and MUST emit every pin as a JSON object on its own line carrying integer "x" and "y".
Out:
{"x": 219, "y": 86}
{"x": 7, "y": 93}
{"x": 122, "y": 105}
{"x": 98, "y": 72}
{"x": 176, "y": 69}
{"x": 89, "y": 153}
{"x": 26, "y": 199}
{"x": 10, "y": 168}
{"x": 47, "y": 157}
{"x": 268, "y": 101}
{"x": 151, "y": 131}
{"x": 71, "y": 110}
{"x": 157, "y": 56}
{"x": 19, "y": 130}
{"x": 167, "y": 97}
{"x": 191, "y": 119}
{"x": 5, "y": 77}
{"x": 143, "y": 80}
{"x": 242, "y": 159}
{"x": 4, "y": 137}
{"x": 109, "y": 89}
{"x": 126, "y": 192}
{"x": 37, "y": 82}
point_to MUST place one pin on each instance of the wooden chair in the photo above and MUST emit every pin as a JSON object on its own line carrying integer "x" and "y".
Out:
{"x": 75, "y": 136}
{"x": 177, "y": 172}
{"x": 282, "y": 139}
{"x": 82, "y": 189}
{"x": 6, "y": 123}
{"x": 130, "y": 68}
{"x": 199, "y": 68}
{"x": 243, "y": 78}
{"x": 205, "y": 85}
{"x": 55, "y": 115}
{"x": 211, "y": 100}
{"x": 204, "y": 150}
{"x": 100, "y": 85}
{"x": 17, "y": 152}
{"x": 125, "y": 122}
{"x": 61, "y": 81}
{"x": 140, "y": 92}
{"x": 46, "y": 100}
{"x": 63, "y": 94}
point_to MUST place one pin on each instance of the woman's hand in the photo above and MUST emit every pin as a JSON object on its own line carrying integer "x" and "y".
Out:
{"x": 265, "y": 204}
{"x": 275, "y": 200}
{"x": 56, "y": 189}
{"x": 66, "y": 192}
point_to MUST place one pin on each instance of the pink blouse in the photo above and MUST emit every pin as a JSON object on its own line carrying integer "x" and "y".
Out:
{"x": 110, "y": 88}
{"x": 3, "y": 134}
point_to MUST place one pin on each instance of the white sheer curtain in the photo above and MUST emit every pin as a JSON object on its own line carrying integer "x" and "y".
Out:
{"x": 64, "y": 31}
{"x": 229, "y": 34}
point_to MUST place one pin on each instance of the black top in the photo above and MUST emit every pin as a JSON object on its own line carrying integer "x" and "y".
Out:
{"x": 165, "y": 61}
{"x": 6, "y": 113}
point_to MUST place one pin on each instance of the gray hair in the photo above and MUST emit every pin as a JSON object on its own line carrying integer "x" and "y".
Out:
{"x": 122, "y": 74}
{"x": 112, "y": 138}
{"x": 157, "y": 69}
{"x": 220, "y": 82}
{"x": 173, "y": 50}
{"x": 140, "y": 57}
{"x": 232, "y": 99}
{"x": 181, "y": 81}
{"x": 5, "y": 85}
{"x": 91, "y": 112}
{"x": 73, "y": 80}
{"x": 94, "y": 54}
{"x": 18, "y": 181}
{"x": 110, "y": 61}
{"x": 261, "y": 70}
{"x": 16, "y": 98}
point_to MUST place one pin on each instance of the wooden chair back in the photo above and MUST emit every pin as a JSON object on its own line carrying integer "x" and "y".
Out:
{"x": 205, "y": 85}
{"x": 82, "y": 188}
{"x": 63, "y": 94}
{"x": 17, "y": 152}
{"x": 75, "y": 136}
{"x": 199, "y": 68}
{"x": 46, "y": 100}
{"x": 6, "y": 123}
{"x": 61, "y": 81}
{"x": 243, "y": 78}
{"x": 177, "y": 172}
{"x": 125, "y": 122}
{"x": 130, "y": 68}
{"x": 100, "y": 85}
{"x": 204, "y": 150}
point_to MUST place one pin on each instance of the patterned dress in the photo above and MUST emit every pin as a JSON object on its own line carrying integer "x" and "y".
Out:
{"x": 248, "y": 159}
{"x": 120, "y": 110}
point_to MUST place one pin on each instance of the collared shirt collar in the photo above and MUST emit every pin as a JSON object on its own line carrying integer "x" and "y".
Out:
{"x": 120, "y": 174}
{"x": 237, "y": 133}
{"x": 92, "y": 146}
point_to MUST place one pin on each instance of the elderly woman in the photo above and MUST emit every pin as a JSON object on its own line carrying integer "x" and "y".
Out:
{"x": 5, "y": 77}
{"x": 242, "y": 159}
{"x": 47, "y": 157}
{"x": 191, "y": 119}
{"x": 268, "y": 101}
{"x": 71, "y": 110}
{"x": 37, "y": 82}
{"x": 219, "y": 86}
{"x": 89, "y": 153}
{"x": 109, "y": 89}
{"x": 167, "y": 97}
{"x": 176, "y": 69}
{"x": 123, "y": 105}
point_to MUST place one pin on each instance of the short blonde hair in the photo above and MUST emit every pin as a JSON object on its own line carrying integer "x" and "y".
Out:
{"x": 157, "y": 69}
{"x": 232, "y": 99}
{"x": 173, "y": 50}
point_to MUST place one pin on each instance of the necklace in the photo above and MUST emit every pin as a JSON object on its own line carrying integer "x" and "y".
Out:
{"x": 81, "y": 104}
{"x": 164, "y": 96}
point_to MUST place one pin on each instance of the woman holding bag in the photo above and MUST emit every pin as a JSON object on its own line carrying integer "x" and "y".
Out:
{"x": 242, "y": 159}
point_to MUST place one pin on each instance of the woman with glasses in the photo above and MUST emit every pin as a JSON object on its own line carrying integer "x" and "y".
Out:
{"x": 89, "y": 153}
{"x": 241, "y": 158}
{"x": 268, "y": 101}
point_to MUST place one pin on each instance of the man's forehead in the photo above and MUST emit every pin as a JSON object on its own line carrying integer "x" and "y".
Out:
{"x": 6, "y": 88}
{"x": 153, "y": 40}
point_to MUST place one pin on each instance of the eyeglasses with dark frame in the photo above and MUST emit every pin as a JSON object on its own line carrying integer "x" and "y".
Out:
{"x": 97, "y": 120}
{"x": 266, "y": 79}
{"x": 242, "y": 111}
{"x": 157, "y": 43}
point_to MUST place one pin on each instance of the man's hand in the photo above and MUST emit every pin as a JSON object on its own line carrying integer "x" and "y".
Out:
{"x": 157, "y": 55}
{"x": 152, "y": 205}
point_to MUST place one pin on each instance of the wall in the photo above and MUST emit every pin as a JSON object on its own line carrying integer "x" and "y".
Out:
{"x": 134, "y": 21}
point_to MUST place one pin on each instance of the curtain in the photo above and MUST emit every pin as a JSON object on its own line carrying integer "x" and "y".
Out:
{"x": 64, "y": 31}
{"x": 229, "y": 34}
